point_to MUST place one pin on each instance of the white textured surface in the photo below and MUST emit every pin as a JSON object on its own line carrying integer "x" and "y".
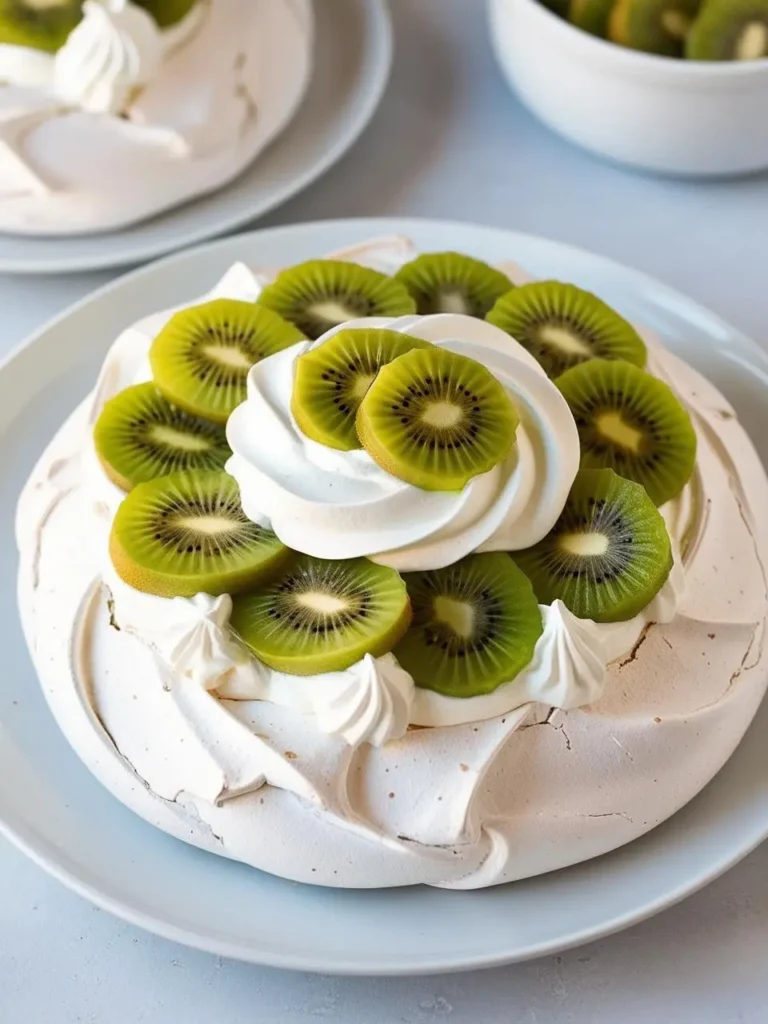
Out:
{"x": 444, "y": 129}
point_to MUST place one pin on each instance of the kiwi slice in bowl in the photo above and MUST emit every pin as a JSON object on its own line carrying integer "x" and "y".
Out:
{"x": 631, "y": 422}
{"x": 201, "y": 358}
{"x": 562, "y": 325}
{"x": 730, "y": 30}
{"x": 330, "y": 381}
{"x": 475, "y": 625}
{"x": 167, "y": 12}
{"x": 608, "y": 554}
{"x": 653, "y": 26}
{"x": 591, "y": 15}
{"x": 449, "y": 282}
{"x": 318, "y": 615}
{"x": 321, "y": 294}
{"x": 40, "y": 24}
{"x": 436, "y": 419}
{"x": 140, "y": 435}
{"x": 187, "y": 534}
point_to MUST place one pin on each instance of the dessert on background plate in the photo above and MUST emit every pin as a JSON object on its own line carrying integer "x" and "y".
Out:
{"x": 395, "y": 568}
{"x": 114, "y": 110}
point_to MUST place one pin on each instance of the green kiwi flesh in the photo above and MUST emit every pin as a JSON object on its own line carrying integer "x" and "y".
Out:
{"x": 317, "y": 615}
{"x": 475, "y": 626}
{"x": 562, "y": 325}
{"x": 448, "y": 282}
{"x": 201, "y": 358}
{"x": 730, "y": 30}
{"x": 653, "y": 26}
{"x": 436, "y": 419}
{"x": 40, "y": 24}
{"x": 167, "y": 12}
{"x": 140, "y": 435}
{"x": 631, "y": 422}
{"x": 186, "y": 533}
{"x": 609, "y": 553}
{"x": 321, "y": 294}
{"x": 331, "y": 380}
{"x": 591, "y": 15}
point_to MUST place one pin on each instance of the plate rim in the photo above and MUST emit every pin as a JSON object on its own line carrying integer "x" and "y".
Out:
{"x": 42, "y": 852}
{"x": 375, "y": 80}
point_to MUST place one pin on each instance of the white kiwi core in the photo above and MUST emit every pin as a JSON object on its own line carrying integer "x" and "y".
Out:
{"x": 613, "y": 427}
{"x": 458, "y": 615}
{"x": 332, "y": 311}
{"x": 585, "y": 545}
{"x": 442, "y": 414}
{"x": 179, "y": 439}
{"x": 753, "y": 42}
{"x": 564, "y": 340}
{"x": 228, "y": 356}
{"x": 320, "y": 601}
{"x": 451, "y": 302}
{"x": 362, "y": 383}
{"x": 209, "y": 524}
{"x": 676, "y": 23}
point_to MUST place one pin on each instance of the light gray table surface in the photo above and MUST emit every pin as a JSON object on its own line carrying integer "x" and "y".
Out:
{"x": 449, "y": 141}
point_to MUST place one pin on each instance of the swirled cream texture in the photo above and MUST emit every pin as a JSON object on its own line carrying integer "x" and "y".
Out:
{"x": 127, "y": 119}
{"x": 116, "y": 49}
{"x": 333, "y": 504}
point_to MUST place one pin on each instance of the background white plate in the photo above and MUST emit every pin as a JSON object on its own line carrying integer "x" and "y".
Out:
{"x": 57, "y": 812}
{"x": 353, "y": 58}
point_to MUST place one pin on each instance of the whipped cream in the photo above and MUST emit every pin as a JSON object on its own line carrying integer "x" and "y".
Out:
{"x": 333, "y": 504}
{"x": 115, "y": 50}
{"x": 164, "y": 115}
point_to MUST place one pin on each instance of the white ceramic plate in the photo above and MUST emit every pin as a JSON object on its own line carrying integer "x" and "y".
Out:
{"x": 353, "y": 60}
{"x": 56, "y": 811}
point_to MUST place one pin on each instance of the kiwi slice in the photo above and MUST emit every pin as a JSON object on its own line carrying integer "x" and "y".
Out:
{"x": 730, "y": 30}
{"x": 186, "y": 534}
{"x": 559, "y": 7}
{"x": 448, "y": 282}
{"x": 475, "y": 626}
{"x": 591, "y": 15}
{"x": 654, "y": 26}
{"x": 631, "y": 422}
{"x": 321, "y": 294}
{"x": 40, "y": 24}
{"x": 318, "y": 615}
{"x": 609, "y": 553}
{"x": 167, "y": 12}
{"x": 562, "y": 325}
{"x": 140, "y": 435}
{"x": 331, "y": 380}
{"x": 201, "y": 358}
{"x": 436, "y": 419}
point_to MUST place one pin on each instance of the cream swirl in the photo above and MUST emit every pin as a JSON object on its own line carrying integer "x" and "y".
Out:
{"x": 115, "y": 50}
{"x": 334, "y": 504}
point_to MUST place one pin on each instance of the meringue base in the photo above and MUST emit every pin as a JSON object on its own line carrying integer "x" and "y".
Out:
{"x": 461, "y": 807}
{"x": 216, "y": 103}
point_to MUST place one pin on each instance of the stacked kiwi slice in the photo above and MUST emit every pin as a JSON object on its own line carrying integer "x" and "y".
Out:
{"x": 715, "y": 30}
{"x": 449, "y": 282}
{"x": 317, "y": 615}
{"x": 475, "y": 625}
{"x": 609, "y": 553}
{"x": 562, "y": 325}
{"x": 321, "y": 294}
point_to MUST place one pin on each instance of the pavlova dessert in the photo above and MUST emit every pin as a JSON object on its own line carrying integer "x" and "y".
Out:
{"x": 394, "y": 568}
{"x": 113, "y": 110}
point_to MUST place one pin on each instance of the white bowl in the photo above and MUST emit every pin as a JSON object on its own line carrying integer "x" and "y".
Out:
{"x": 656, "y": 113}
